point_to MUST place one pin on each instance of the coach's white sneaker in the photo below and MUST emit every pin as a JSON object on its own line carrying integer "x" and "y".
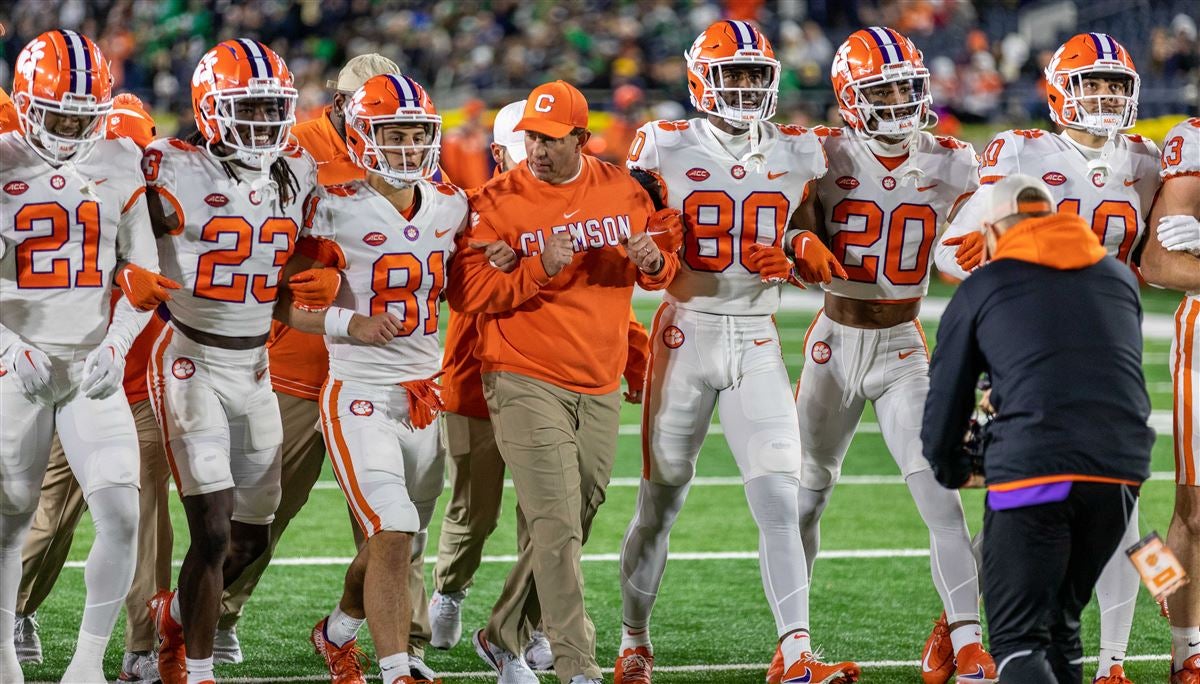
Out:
{"x": 139, "y": 667}
{"x": 420, "y": 671}
{"x": 537, "y": 653}
{"x": 511, "y": 667}
{"x": 227, "y": 650}
{"x": 445, "y": 618}
{"x": 26, "y": 640}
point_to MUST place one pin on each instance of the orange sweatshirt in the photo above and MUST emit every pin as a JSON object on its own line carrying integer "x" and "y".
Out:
{"x": 570, "y": 330}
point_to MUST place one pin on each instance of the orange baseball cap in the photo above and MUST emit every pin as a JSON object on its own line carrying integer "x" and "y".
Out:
{"x": 554, "y": 109}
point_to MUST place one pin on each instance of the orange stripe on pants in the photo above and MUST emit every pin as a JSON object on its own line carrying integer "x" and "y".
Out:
{"x": 655, "y": 336}
{"x": 796, "y": 395}
{"x": 339, "y": 453}
{"x": 158, "y": 388}
{"x": 1185, "y": 328}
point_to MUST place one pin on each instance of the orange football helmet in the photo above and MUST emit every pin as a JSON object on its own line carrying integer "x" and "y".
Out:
{"x": 724, "y": 46}
{"x": 879, "y": 56}
{"x": 64, "y": 74}
{"x": 1092, "y": 55}
{"x": 243, "y": 98}
{"x": 393, "y": 99}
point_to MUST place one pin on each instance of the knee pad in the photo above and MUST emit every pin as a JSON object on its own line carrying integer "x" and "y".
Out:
{"x": 116, "y": 510}
{"x": 389, "y": 501}
{"x": 672, "y": 472}
{"x": 19, "y": 496}
{"x": 776, "y": 453}
{"x": 256, "y": 505}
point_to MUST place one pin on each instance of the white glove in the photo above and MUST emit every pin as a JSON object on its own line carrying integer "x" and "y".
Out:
{"x": 1179, "y": 233}
{"x": 103, "y": 372}
{"x": 32, "y": 368}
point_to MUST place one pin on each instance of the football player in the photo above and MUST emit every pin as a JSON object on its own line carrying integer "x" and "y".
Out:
{"x": 394, "y": 236}
{"x": 1109, "y": 179}
{"x": 741, "y": 182}
{"x": 1172, "y": 259}
{"x": 74, "y": 211}
{"x": 890, "y": 186}
{"x": 227, "y": 206}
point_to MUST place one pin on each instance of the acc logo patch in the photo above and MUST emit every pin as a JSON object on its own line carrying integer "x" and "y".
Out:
{"x": 16, "y": 187}
{"x": 362, "y": 407}
{"x": 847, "y": 182}
{"x": 216, "y": 199}
{"x": 672, "y": 337}
{"x": 1054, "y": 178}
{"x": 698, "y": 174}
{"x": 58, "y": 182}
{"x": 738, "y": 171}
{"x": 888, "y": 183}
{"x": 411, "y": 233}
{"x": 375, "y": 239}
{"x": 821, "y": 352}
{"x": 183, "y": 369}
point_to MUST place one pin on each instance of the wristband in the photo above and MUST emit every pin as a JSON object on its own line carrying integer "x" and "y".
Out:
{"x": 337, "y": 321}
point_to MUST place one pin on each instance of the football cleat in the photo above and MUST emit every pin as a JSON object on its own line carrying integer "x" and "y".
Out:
{"x": 1190, "y": 674}
{"x": 538, "y": 654}
{"x": 227, "y": 650}
{"x": 343, "y": 662}
{"x": 634, "y": 666}
{"x": 139, "y": 667}
{"x": 974, "y": 665}
{"x": 937, "y": 660}
{"x": 1116, "y": 675}
{"x": 775, "y": 669}
{"x": 809, "y": 670}
{"x": 512, "y": 668}
{"x": 445, "y": 618}
{"x": 172, "y": 664}
{"x": 26, "y": 639}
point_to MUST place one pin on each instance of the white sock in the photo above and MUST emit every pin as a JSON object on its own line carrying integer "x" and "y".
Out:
{"x": 199, "y": 670}
{"x": 793, "y": 645}
{"x": 632, "y": 638}
{"x": 89, "y": 651}
{"x": 967, "y": 634}
{"x": 175, "y": 614}
{"x": 394, "y": 667}
{"x": 1108, "y": 658}
{"x": 341, "y": 628}
{"x": 1185, "y": 643}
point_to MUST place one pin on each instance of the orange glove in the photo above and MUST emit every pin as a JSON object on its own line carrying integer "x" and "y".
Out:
{"x": 970, "y": 250}
{"x": 814, "y": 262}
{"x": 314, "y": 289}
{"x": 771, "y": 264}
{"x": 666, "y": 227}
{"x": 144, "y": 289}
{"x": 424, "y": 401}
{"x": 129, "y": 119}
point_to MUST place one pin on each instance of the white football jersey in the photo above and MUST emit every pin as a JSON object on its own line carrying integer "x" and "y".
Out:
{"x": 1181, "y": 154}
{"x": 1116, "y": 206}
{"x": 64, "y": 231}
{"x": 391, "y": 264}
{"x": 730, "y": 204}
{"x": 234, "y": 239}
{"x": 882, "y": 223}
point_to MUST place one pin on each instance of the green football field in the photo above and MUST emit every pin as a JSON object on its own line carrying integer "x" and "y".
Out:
{"x": 872, "y": 598}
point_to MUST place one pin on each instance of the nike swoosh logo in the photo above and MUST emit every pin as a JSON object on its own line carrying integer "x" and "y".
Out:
{"x": 566, "y": 215}
{"x": 772, "y": 175}
{"x": 759, "y": 343}
{"x": 803, "y": 679}
{"x": 128, "y": 284}
{"x": 260, "y": 374}
{"x": 99, "y": 181}
{"x": 977, "y": 674}
{"x": 441, "y": 233}
{"x": 1131, "y": 181}
{"x": 905, "y": 355}
{"x": 1193, "y": 644}
{"x": 925, "y": 662}
{"x": 927, "y": 187}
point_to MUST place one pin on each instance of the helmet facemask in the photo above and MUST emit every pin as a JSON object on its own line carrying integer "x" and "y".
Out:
{"x": 38, "y": 116}
{"x": 376, "y": 133}
{"x": 255, "y": 122}
{"x": 1099, "y": 114}
{"x": 741, "y": 89}
{"x": 911, "y": 111}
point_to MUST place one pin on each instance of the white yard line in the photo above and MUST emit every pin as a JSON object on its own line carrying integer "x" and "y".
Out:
{"x": 724, "y": 667}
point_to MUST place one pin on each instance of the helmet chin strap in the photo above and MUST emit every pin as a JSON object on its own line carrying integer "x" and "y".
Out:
{"x": 755, "y": 159}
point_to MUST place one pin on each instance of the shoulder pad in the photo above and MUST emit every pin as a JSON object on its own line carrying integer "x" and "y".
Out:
{"x": 950, "y": 143}
{"x": 182, "y": 145}
{"x": 341, "y": 190}
{"x": 828, "y": 131}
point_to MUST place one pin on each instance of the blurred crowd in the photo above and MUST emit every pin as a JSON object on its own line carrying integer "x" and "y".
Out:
{"x": 476, "y": 55}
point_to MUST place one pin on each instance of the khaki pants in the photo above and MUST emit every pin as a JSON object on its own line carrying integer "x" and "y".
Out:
{"x": 559, "y": 446}
{"x": 476, "y": 489}
{"x": 59, "y": 509}
{"x": 303, "y": 455}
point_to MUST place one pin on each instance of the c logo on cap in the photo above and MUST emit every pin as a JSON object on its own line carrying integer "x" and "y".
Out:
{"x": 538, "y": 106}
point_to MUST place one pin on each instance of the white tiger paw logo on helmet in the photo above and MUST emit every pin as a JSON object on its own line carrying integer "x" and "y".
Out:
{"x": 28, "y": 60}
{"x": 204, "y": 70}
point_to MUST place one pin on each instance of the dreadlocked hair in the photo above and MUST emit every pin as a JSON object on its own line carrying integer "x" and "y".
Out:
{"x": 281, "y": 173}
